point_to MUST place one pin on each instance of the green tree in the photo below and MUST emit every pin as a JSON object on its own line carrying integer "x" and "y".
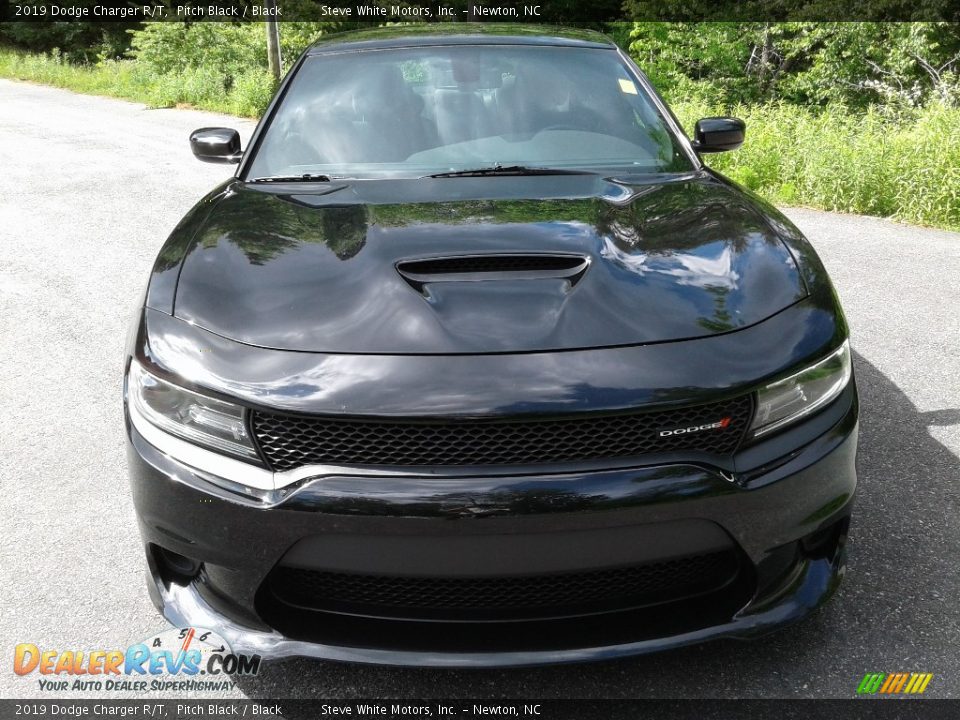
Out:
{"x": 857, "y": 64}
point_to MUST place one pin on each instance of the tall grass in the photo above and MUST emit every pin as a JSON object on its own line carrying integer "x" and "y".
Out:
{"x": 245, "y": 94}
{"x": 906, "y": 168}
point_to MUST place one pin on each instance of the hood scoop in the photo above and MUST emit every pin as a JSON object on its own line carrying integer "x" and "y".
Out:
{"x": 479, "y": 268}
{"x": 382, "y": 270}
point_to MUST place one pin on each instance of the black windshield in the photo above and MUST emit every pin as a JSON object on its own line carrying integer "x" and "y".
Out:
{"x": 441, "y": 109}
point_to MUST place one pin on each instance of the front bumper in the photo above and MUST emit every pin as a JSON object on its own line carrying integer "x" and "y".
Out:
{"x": 785, "y": 516}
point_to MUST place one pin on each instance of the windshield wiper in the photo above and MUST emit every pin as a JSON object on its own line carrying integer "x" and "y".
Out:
{"x": 508, "y": 170}
{"x": 306, "y": 177}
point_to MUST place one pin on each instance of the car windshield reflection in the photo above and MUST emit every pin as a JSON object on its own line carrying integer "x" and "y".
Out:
{"x": 416, "y": 112}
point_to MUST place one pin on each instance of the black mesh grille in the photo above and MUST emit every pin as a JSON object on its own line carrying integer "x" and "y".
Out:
{"x": 290, "y": 441}
{"x": 505, "y": 596}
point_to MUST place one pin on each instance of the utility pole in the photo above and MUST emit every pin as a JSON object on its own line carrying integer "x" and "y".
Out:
{"x": 273, "y": 39}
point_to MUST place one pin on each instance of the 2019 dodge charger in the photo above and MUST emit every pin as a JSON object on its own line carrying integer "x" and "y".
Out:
{"x": 474, "y": 362}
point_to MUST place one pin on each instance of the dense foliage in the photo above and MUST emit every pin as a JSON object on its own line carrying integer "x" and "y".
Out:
{"x": 76, "y": 41}
{"x": 858, "y": 117}
{"x": 891, "y": 65}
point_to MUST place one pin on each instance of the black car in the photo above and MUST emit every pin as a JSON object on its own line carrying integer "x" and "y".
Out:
{"x": 474, "y": 362}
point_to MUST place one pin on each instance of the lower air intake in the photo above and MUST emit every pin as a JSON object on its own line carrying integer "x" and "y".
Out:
{"x": 504, "y": 597}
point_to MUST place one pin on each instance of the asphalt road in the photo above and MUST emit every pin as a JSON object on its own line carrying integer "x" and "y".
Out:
{"x": 89, "y": 188}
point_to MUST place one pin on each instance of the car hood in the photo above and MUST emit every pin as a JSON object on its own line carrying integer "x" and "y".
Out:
{"x": 602, "y": 262}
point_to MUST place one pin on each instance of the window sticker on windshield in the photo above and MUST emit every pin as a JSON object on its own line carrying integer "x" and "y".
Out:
{"x": 627, "y": 86}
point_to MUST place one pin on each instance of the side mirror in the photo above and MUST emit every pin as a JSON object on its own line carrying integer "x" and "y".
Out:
{"x": 216, "y": 145}
{"x": 718, "y": 134}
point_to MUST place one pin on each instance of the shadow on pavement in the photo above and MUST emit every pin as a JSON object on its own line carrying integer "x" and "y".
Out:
{"x": 895, "y": 610}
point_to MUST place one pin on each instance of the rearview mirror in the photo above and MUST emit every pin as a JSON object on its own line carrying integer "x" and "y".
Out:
{"x": 718, "y": 134}
{"x": 216, "y": 145}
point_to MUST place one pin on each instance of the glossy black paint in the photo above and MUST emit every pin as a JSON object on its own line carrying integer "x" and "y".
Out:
{"x": 469, "y": 385}
{"x": 216, "y": 145}
{"x": 718, "y": 134}
{"x": 288, "y": 296}
{"x": 678, "y": 258}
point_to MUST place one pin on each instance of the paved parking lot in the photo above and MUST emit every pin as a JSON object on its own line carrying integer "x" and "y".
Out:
{"x": 89, "y": 188}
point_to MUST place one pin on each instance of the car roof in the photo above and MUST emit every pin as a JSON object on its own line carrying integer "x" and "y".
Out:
{"x": 456, "y": 33}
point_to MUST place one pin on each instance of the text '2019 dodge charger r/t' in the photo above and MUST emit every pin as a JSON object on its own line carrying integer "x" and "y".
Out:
{"x": 474, "y": 362}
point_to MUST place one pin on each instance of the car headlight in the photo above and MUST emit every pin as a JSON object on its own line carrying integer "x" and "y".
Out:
{"x": 786, "y": 401}
{"x": 202, "y": 420}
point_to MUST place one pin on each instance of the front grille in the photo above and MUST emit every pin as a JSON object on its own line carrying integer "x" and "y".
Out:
{"x": 545, "y": 595}
{"x": 290, "y": 441}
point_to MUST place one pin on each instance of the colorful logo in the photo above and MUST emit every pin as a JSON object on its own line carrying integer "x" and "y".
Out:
{"x": 894, "y": 683}
{"x": 186, "y": 653}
